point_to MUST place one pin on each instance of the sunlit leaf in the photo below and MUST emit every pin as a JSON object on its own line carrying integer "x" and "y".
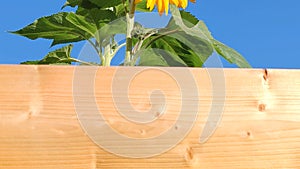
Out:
{"x": 201, "y": 31}
{"x": 230, "y": 55}
{"x": 82, "y": 3}
{"x": 106, "y": 3}
{"x": 158, "y": 57}
{"x": 61, "y": 28}
{"x": 59, "y": 56}
{"x": 191, "y": 50}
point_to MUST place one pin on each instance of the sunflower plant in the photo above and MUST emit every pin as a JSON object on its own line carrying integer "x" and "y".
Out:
{"x": 184, "y": 41}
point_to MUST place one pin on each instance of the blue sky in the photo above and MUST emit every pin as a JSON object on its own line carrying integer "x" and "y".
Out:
{"x": 265, "y": 32}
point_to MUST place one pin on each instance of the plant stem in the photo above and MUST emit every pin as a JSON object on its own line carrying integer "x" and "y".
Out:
{"x": 130, "y": 26}
{"x": 161, "y": 35}
{"x": 139, "y": 44}
{"x": 125, "y": 6}
{"x": 98, "y": 43}
{"x": 107, "y": 55}
{"x": 107, "y": 62}
{"x": 118, "y": 48}
{"x": 83, "y": 62}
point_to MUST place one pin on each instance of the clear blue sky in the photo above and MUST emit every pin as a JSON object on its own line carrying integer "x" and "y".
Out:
{"x": 266, "y": 32}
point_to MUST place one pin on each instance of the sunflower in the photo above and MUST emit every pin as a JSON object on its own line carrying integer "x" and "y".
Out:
{"x": 163, "y": 5}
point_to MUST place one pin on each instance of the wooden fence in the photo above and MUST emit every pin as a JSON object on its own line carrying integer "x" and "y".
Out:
{"x": 39, "y": 127}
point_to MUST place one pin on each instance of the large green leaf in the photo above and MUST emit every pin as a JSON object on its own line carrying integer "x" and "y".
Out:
{"x": 226, "y": 52}
{"x": 89, "y": 4}
{"x": 230, "y": 55}
{"x": 188, "y": 24}
{"x": 158, "y": 57}
{"x": 98, "y": 17}
{"x": 59, "y": 56}
{"x": 61, "y": 28}
{"x": 106, "y": 3}
{"x": 149, "y": 58}
{"x": 202, "y": 26}
{"x": 113, "y": 28}
{"x": 82, "y": 25}
{"x": 82, "y": 3}
{"x": 72, "y": 3}
{"x": 119, "y": 10}
{"x": 191, "y": 50}
{"x": 105, "y": 20}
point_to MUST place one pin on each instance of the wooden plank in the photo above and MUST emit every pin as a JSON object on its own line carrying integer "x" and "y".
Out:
{"x": 39, "y": 128}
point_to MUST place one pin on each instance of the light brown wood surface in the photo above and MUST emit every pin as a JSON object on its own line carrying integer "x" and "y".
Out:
{"x": 39, "y": 128}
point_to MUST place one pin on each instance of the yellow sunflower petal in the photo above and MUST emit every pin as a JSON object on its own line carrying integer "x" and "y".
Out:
{"x": 150, "y": 4}
{"x": 163, "y": 5}
{"x": 166, "y": 6}
{"x": 159, "y": 4}
{"x": 183, "y": 4}
{"x": 175, "y": 2}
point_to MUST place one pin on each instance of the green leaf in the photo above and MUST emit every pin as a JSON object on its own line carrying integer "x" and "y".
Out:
{"x": 142, "y": 6}
{"x": 120, "y": 10}
{"x": 81, "y": 24}
{"x": 149, "y": 58}
{"x": 106, "y": 3}
{"x": 59, "y": 56}
{"x": 202, "y": 26}
{"x": 158, "y": 57}
{"x": 188, "y": 19}
{"x": 113, "y": 28}
{"x": 226, "y": 52}
{"x": 230, "y": 55}
{"x": 71, "y": 3}
{"x": 105, "y": 21}
{"x": 61, "y": 28}
{"x": 185, "y": 22}
{"x": 200, "y": 30}
{"x": 82, "y": 3}
{"x": 192, "y": 51}
{"x": 98, "y": 17}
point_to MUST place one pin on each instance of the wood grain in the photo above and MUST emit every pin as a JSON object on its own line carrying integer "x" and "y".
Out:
{"x": 39, "y": 128}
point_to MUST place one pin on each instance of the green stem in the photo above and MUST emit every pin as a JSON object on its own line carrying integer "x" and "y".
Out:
{"x": 118, "y": 48}
{"x": 98, "y": 43}
{"x": 160, "y": 36}
{"x": 107, "y": 56}
{"x": 130, "y": 26}
{"x": 125, "y": 6}
{"x": 107, "y": 61}
{"x": 82, "y": 62}
{"x": 94, "y": 46}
